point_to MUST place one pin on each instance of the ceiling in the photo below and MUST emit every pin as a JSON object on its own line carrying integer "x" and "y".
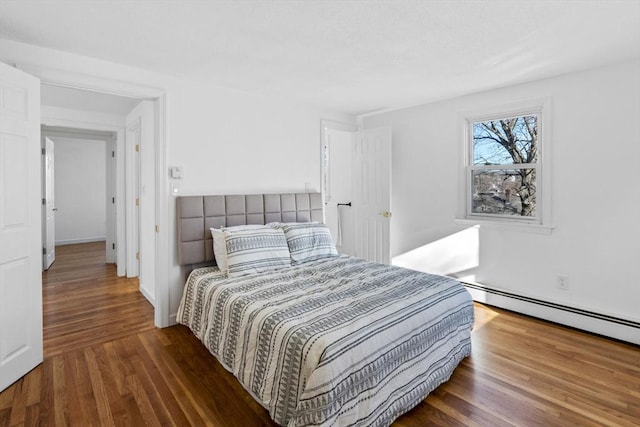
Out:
{"x": 351, "y": 56}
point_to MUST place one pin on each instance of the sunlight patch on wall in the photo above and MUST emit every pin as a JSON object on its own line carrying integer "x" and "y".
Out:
{"x": 453, "y": 255}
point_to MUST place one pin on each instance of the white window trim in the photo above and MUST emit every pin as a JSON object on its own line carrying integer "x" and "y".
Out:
{"x": 542, "y": 223}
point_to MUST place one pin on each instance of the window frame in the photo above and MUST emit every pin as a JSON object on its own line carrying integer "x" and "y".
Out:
{"x": 542, "y": 219}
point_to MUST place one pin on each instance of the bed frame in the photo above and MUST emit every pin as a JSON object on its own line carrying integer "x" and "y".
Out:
{"x": 197, "y": 214}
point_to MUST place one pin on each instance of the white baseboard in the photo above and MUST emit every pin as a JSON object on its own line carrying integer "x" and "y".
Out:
{"x": 146, "y": 294}
{"x": 608, "y": 326}
{"x": 81, "y": 240}
{"x": 172, "y": 319}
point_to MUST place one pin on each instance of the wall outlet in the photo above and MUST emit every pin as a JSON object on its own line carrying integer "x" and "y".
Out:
{"x": 563, "y": 282}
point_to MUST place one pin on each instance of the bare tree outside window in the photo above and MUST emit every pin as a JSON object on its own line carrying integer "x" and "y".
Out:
{"x": 504, "y": 170}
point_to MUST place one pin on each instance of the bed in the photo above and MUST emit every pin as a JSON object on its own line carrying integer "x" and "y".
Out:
{"x": 321, "y": 338}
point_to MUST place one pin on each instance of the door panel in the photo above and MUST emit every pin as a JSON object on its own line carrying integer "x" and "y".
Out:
{"x": 141, "y": 175}
{"x": 49, "y": 231}
{"x": 132, "y": 141}
{"x": 372, "y": 153}
{"x": 20, "y": 225}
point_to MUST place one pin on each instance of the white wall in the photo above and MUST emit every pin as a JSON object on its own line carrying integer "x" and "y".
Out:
{"x": 594, "y": 151}
{"x": 231, "y": 143}
{"x": 227, "y": 141}
{"x": 80, "y": 186}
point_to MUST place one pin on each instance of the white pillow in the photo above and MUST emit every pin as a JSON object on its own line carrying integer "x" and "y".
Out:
{"x": 219, "y": 249}
{"x": 220, "y": 246}
{"x": 309, "y": 241}
{"x": 256, "y": 250}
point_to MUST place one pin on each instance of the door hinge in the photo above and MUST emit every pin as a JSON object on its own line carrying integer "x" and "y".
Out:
{"x": 44, "y": 251}
{"x": 113, "y": 246}
{"x": 44, "y": 152}
{"x": 137, "y": 147}
{"x": 113, "y": 200}
{"x": 44, "y": 201}
{"x": 137, "y": 202}
{"x": 157, "y": 228}
{"x": 113, "y": 154}
{"x": 138, "y": 256}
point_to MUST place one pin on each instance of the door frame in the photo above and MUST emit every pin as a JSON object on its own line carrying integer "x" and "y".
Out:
{"x": 324, "y": 126}
{"x": 75, "y": 131}
{"x": 159, "y": 97}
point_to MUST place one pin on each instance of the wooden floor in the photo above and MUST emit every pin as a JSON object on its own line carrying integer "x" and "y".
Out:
{"x": 105, "y": 364}
{"x": 86, "y": 303}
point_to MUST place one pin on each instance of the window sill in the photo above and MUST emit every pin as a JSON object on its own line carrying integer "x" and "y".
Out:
{"x": 505, "y": 225}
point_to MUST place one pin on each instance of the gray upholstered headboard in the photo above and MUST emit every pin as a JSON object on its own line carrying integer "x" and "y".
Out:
{"x": 197, "y": 214}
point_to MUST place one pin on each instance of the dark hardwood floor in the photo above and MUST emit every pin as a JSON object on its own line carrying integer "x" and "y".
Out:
{"x": 86, "y": 303}
{"x": 105, "y": 364}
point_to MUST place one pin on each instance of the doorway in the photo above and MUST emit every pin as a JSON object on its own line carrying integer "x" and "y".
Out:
{"x": 356, "y": 187}
{"x": 337, "y": 185}
{"x": 79, "y": 189}
{"x": 103, "y": 124}
{"x": 95, "y": 87}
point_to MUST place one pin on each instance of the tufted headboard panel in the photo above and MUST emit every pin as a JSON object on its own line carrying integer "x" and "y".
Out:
{"x": 197, "y": 214}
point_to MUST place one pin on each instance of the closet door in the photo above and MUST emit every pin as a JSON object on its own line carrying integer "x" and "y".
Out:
{"x": 372, "y": 194}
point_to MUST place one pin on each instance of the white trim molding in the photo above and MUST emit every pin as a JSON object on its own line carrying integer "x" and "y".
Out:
{"x": 82, "y": 240}
{"x": 543, "y": 220}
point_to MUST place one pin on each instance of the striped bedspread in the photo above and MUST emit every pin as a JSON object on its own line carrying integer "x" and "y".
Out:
{"x": 338, "y": 341}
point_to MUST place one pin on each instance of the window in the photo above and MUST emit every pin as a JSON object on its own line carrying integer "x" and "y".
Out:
{"x": 503, "y": 167}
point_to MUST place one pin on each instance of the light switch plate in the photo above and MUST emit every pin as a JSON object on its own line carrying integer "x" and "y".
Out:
{"x": 175, "y": 172}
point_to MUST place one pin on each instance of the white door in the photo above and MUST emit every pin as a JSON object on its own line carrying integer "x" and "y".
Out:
{"x": 110, "y": 168}
{"x": 20, "y": 226}
{"x": 132, "y": 205}
{"x": 372, "y": 194}
{"x": 48, "y": 205}
{"x": 140, "y": 140}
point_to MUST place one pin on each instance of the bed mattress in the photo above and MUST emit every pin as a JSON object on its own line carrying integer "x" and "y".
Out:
{"x": 336, "y": 341}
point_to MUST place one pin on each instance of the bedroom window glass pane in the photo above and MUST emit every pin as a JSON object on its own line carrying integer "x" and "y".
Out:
{"x": 502, "y": 192}
{"x": 503, "y": 167}
{"x": 506, "y": 141}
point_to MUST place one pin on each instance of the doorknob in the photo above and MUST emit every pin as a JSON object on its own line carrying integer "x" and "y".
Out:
{"x": 55, "y": 209}
{"x": 385, "y": 214}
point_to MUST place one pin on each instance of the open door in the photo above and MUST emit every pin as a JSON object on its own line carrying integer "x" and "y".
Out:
{"x": 372, "y": 194}
{"x": 133, "y": 140}
{"x": 48, "y": 205}
{"x": 140, "y": 204}
{"x": 20, "y": 225}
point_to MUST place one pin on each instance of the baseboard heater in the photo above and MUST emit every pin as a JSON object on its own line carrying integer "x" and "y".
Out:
{"x": 632, "y": 328}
